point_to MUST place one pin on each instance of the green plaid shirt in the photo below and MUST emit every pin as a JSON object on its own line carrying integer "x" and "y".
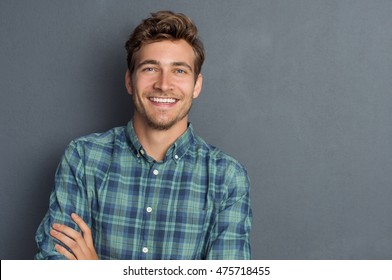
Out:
{"x": 192, "y": 205}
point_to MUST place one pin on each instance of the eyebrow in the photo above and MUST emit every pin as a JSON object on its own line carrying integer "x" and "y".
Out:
{"x": 155, "y": 62}
{"x": 183, "y": 64}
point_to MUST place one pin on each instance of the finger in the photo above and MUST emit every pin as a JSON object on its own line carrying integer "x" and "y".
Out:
{"x": 64, "y": 252}
{"x": 89, "y": 248}
{"x": 69, "y": 242}
{"x": 70, "y": 232}
{"x": 85, "y": 229}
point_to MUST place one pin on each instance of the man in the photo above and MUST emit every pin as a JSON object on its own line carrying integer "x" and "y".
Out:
{"x": 152, "y": 189}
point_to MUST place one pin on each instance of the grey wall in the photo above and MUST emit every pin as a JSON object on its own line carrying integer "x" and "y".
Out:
{"x": 299, "y": 91}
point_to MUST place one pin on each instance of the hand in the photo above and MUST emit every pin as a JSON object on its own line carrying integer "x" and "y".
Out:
{"x": 82, "y": 246}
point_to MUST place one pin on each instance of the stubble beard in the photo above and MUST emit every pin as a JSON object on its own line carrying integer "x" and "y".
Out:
{"x": 156, "y": 124}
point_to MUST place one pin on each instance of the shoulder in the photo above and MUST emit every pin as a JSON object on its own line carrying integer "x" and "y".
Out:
{"x": 228, "y": 178}
{"x": 219, "y": 160}
{"x": 98, "y": 143}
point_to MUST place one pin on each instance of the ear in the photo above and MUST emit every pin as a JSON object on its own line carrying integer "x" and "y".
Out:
{"x": 128, "y": 82}
{"x": 198, "y": 86}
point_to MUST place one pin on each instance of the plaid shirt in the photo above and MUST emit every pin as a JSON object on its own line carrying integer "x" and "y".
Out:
{"x": 192, "y": 205}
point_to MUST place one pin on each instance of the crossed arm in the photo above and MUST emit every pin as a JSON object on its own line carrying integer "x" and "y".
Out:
{"x": 81, "y": 245}
{"x": 230, "y": 235}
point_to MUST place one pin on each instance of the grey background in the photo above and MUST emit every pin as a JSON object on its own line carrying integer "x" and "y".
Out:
{"x": 298, "y": 91}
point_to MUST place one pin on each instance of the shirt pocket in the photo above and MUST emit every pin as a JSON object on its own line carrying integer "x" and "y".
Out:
{"x": 186, "y": 229}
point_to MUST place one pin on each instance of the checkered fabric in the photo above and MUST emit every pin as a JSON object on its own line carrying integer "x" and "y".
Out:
{"x": 194, "y": 204}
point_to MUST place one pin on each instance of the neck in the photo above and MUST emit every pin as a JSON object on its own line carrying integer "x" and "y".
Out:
{"x": 156, "y": 142}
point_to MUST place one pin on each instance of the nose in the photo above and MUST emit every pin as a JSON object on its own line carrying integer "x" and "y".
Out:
{"x": 163, "y": 82}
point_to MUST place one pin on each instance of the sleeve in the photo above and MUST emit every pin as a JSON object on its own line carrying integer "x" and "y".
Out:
{"x": 230, "y": 236}
{"x": 68, "y": 196}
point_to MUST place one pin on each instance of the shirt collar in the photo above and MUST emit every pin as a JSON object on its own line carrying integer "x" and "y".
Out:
{"x": 176, "y": 151}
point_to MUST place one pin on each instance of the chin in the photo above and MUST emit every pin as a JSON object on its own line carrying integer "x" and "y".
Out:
{"x": 161, "y": 125}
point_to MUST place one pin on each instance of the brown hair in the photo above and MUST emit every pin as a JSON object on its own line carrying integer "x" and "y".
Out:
{"x": 165, "y": 25}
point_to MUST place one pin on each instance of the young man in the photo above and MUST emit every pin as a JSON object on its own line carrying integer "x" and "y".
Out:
{"x": 152, "y": 189}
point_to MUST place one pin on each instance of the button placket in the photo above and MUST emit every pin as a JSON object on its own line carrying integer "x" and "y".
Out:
{"x": 148, "y": 207}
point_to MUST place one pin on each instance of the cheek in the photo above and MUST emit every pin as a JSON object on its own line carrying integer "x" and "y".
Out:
{"x": 144, "y": 81}
{"x": 187, "y": 87}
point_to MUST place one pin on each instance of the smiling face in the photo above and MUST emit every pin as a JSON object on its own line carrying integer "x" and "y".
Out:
{"x": 163, "y": 84}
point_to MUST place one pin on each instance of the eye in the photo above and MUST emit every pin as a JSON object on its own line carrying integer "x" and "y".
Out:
{"x": 148, "y": 69}
{"x": 181, "y": 71}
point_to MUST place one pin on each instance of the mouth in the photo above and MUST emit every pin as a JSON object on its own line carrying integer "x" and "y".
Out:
{"x": 163, "y": 100}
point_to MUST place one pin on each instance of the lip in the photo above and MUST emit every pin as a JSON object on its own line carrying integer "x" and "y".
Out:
{"x": 163, "y": 101}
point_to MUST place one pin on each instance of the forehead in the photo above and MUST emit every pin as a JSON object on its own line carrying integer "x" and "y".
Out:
{"x": 166, "y": 52}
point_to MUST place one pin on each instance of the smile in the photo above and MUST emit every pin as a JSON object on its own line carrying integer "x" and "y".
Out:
{"x": 163, "y": 100}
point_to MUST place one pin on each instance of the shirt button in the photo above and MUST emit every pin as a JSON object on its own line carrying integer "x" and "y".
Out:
{"x": 142, "y": 152}
{"x": 156, "y": 172}
{"x": 176, "y": 157}
{"x": 145, "y": 250}
{"x": 149, "y": 209}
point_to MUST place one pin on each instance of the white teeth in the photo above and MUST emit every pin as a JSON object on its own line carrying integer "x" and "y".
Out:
{"x": 162, "y": 100}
